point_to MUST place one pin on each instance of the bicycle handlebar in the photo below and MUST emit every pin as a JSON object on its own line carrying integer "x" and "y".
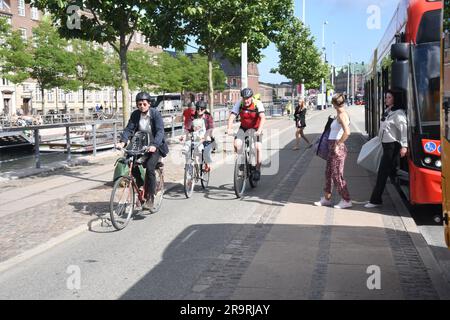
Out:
{"x": 132, "y": 152}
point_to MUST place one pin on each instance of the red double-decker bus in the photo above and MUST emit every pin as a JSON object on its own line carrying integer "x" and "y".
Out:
{"x": 408, "y": 60}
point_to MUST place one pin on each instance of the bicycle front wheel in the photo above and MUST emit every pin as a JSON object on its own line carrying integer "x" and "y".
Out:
{"x": 159, "y": 192}
{"x": 240, "y": 175}
{"x": 121, "y": 204}
{"x": 189, "y": 180}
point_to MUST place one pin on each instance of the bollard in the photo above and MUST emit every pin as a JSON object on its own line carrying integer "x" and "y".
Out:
{"x": 36, "y": 148}
{"x": 173, "y": 126}
{"x": 94, "y": 139}
{"x": 69, "y": 156}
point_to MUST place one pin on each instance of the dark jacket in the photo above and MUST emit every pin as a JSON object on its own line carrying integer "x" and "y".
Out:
{"x": 157, "y": 125}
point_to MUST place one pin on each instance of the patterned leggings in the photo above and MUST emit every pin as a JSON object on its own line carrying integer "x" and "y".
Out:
{"x": 334, "y": 173}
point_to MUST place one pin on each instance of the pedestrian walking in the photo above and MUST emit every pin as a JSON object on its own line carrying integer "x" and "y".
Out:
{"x": 334, "y": 173}
{"x": 300, "y": 124}
{"x": 394, "y": 139}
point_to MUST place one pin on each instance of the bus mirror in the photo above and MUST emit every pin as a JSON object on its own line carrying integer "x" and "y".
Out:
{"x": 400, "y": 51}
{"x": 400, "y": 74}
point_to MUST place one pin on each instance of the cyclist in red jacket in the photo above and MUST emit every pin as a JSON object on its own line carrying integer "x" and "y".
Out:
{"x": 251, "y": 114}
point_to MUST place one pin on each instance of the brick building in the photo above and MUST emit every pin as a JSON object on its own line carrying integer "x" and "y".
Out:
{"x": 27, "y": 96}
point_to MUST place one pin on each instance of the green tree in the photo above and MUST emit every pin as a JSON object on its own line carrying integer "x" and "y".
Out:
{"x": 300, "y": 60}
{"x": 142, "y": 70}
{"x": 15, "y": 58}
{"x": 113, "y": 75}
{"x": 221, "y": 26}
{"x": 43, "y": 58}
{"x": 90, "y": 66}
{"x": 115, "y": 22}
{"x": 169, "y": 73}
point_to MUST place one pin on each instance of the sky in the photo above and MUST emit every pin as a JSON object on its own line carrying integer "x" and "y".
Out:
{"x": 355, "y": 30}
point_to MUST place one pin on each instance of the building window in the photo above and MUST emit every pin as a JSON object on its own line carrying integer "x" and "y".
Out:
{"x": 21, "y": 7}
{"x": 38, "y": 94}
{"x": 80, "y": 95}
{"x": 105, "y": 95}
{"x": 4, "y": 6}
{"x": 23, "y": 33}
{"x": 34, "y": 13}
{"x": 88, "y": 95}
{"x": 62, "y": 95}
{"x": 70, "y": 96}
{"x": 5, "y": 82}
{"x": 50, "y": 95}
{"x": 97, "y": 96}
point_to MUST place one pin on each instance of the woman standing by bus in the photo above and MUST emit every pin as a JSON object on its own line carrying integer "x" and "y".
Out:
{"x": 334, "y": 174}
{"x": 394, "y": 138}
{"x": 300, "y": 124}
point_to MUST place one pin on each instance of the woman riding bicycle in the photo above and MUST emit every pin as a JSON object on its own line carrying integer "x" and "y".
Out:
{"x": 147, "y": 119}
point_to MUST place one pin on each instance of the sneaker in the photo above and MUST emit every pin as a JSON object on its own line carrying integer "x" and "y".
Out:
{"x": 343, "y": 204}
{"x": 323, "y": 202}
{"x": 148, "y": 204}
{"x": 370, "y": 205}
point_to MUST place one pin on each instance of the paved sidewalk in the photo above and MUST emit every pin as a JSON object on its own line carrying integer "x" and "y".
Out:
{"x": 313, "y": 252}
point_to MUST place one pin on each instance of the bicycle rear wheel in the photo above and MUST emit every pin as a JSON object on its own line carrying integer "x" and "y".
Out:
{"x": 159, "y": 192}
{"x": 240, "y": 175}
{"x": 189, "y": 180}
{"x": 121, "y": 204}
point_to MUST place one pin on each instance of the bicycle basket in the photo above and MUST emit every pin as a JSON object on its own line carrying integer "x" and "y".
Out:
{"x": 140, "y": 140}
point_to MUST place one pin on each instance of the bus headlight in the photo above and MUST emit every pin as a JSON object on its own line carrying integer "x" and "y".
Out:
{"x": 438, "y": 163}
{"x": 427, "y": 160}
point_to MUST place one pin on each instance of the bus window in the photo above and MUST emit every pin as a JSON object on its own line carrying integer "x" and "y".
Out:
{"x": 427, "y": 80}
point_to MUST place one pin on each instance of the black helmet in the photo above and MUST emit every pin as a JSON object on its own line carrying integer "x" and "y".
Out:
{"x": 143, "y": 96}
{"x": 200, "y": 105}
{"x": 246, "y": 93}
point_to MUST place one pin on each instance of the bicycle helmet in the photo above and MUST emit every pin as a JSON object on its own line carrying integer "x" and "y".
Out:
{"x": 246, "y": 93}
{"x": 143, "y": 96}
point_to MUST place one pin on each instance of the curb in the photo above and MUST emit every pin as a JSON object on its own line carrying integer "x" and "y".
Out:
{"x": 434, "y": 268}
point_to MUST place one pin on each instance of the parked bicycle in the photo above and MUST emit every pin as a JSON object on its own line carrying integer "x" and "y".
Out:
{"x": 245, "y": 166}
{"x": 194, "y": 172}
{"x": 127, "y": 196}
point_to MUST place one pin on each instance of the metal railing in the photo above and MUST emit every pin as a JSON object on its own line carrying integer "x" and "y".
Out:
{"x": 68, "y": 146}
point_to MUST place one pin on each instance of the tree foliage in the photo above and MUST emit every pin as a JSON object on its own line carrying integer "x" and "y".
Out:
{"x": 221, "y": 26}
{"x": 300, "y": 60}
{"x": 115, "y": 22}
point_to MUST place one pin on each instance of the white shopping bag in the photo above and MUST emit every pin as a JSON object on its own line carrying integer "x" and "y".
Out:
{"x": 370, "y": 155}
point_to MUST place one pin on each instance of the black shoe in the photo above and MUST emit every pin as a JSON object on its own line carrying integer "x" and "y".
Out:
{"x": 241, "y": 167}
{"x": 256, "y": 175}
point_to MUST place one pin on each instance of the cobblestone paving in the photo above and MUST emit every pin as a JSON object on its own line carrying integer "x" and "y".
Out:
{"x": 27, "y": 229}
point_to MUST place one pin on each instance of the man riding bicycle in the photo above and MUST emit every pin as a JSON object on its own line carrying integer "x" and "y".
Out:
{"x": 149, "y": 120}
{"x": 251, "y": 114}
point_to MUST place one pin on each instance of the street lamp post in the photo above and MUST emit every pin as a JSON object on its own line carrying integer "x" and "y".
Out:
{"x": 304, "y": 13}
{"x": 304, "y": 24}
{"x": 332, "y": 63}
{"x": 323, "y": 59}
